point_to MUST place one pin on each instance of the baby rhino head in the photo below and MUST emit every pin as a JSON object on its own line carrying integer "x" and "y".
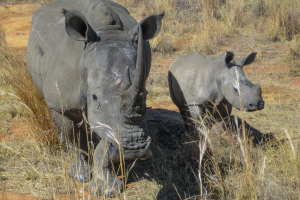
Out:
{"x": 235, "y": 86}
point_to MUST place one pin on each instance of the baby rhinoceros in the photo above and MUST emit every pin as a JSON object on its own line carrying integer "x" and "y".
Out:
{"x": 201, "y": 86}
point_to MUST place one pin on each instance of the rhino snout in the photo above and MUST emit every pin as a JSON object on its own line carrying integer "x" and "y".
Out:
{"x": 258, "y": 106}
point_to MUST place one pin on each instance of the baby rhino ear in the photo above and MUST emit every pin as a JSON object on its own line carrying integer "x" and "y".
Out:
{"x": 77, "y": 26}
{"x": 247, "y": 60}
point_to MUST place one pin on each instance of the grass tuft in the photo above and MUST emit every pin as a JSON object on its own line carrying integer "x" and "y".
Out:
{"x": 16, "y": 82}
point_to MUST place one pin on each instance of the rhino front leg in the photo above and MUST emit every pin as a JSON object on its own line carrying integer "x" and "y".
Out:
{"x": 69, "y": 133}
{"x": 104, "y": 181}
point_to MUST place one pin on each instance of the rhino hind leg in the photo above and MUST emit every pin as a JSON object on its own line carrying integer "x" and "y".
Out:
{"x": 104, "y": 182}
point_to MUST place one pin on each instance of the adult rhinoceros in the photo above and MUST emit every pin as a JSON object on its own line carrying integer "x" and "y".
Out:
{"x": 201, "y": 86}
{"x": 94, "y": 62}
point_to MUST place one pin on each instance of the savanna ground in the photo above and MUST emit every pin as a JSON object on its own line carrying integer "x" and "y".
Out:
{"x": 32, "y": 163}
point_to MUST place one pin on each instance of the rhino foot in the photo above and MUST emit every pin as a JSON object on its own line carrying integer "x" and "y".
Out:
{"x": 111, "y": 193}
{"x": 109, "y": 185}
{"x": 80, "y": 170}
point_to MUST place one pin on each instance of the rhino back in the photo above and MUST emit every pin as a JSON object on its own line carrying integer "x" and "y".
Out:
{"x": 53, "y": 57}
{"x": 194, "y": 74}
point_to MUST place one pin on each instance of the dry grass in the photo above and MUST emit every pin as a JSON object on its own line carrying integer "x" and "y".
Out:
{"x": 16, "y": 82}
{"x": 203, "y": 25}
{"x": 233, "y": 166}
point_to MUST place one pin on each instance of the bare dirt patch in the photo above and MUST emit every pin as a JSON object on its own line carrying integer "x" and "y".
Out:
{"x": 18, "y": 130}
{"x": 16, "y": 21}
{"x": 13, "y": 196}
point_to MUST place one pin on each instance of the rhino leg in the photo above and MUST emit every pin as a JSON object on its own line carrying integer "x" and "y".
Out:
{"x": 190, "y": 116}
{"x": 186, "y": 119}
{"x": 70, "y": 133}
{"x": 104, "y": 181}
{"x": 81, "y": 167}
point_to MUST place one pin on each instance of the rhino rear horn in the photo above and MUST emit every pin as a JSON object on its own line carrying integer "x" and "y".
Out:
{"x": 77, "y": 26}
{"x": 246, "y": 60}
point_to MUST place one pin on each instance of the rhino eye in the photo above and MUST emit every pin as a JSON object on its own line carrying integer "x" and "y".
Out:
{"x": 96, "y": 103}
{"x": 235, "y": 89}
{"x": 94, "y": 97}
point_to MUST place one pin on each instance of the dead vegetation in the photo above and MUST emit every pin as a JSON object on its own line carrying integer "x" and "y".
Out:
{"x": 16, "y": 84}
{"x": 203, "y": 25}
{"x": 234, "y": 167}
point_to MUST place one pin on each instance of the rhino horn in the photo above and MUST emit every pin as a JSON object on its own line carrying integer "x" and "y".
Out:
{"x": 139, "y": 83}
{"x": 133, "y": 103}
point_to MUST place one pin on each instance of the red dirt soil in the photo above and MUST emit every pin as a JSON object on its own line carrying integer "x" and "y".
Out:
{"x": 18, "y": 129}
{"x": 11, "y": 196}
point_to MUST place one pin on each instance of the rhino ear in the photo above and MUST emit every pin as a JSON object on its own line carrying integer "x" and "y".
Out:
{"x": 246, "y": 60}
{"x": 229, "y": 57}
{"x": 150, "y": 27}
{"x": 77, "y": 26}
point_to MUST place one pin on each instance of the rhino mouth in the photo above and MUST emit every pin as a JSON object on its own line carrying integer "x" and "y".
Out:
{"x": 135, "y": 142}
{"x": 251, "y": 107}
{"x": 133, "y": 139}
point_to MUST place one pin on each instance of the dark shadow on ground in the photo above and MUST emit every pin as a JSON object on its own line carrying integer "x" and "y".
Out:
{"x": 169, "y": 166}
{"x": 173, "y": 164}
{"x": 253, "y": 134}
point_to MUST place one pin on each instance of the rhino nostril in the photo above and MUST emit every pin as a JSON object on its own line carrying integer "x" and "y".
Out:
{"x": 250, "y": 105}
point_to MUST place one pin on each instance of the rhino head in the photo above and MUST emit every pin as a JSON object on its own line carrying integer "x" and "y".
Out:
{"x": 235, "y": 86}
{"x": 116, "y": 64}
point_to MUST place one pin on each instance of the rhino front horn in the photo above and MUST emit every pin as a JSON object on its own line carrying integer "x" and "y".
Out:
{"x": 140, "y": 74}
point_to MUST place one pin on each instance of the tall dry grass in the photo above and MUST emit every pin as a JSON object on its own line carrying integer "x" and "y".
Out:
{"x": 244, "y": 163}
{"x": 16, "y": 82}
{"x": 204, "y": 25}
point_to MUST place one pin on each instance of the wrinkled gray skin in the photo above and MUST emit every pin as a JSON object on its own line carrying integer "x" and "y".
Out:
{"x": 94, "y": 62}
{"x": 201, "y": 86}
